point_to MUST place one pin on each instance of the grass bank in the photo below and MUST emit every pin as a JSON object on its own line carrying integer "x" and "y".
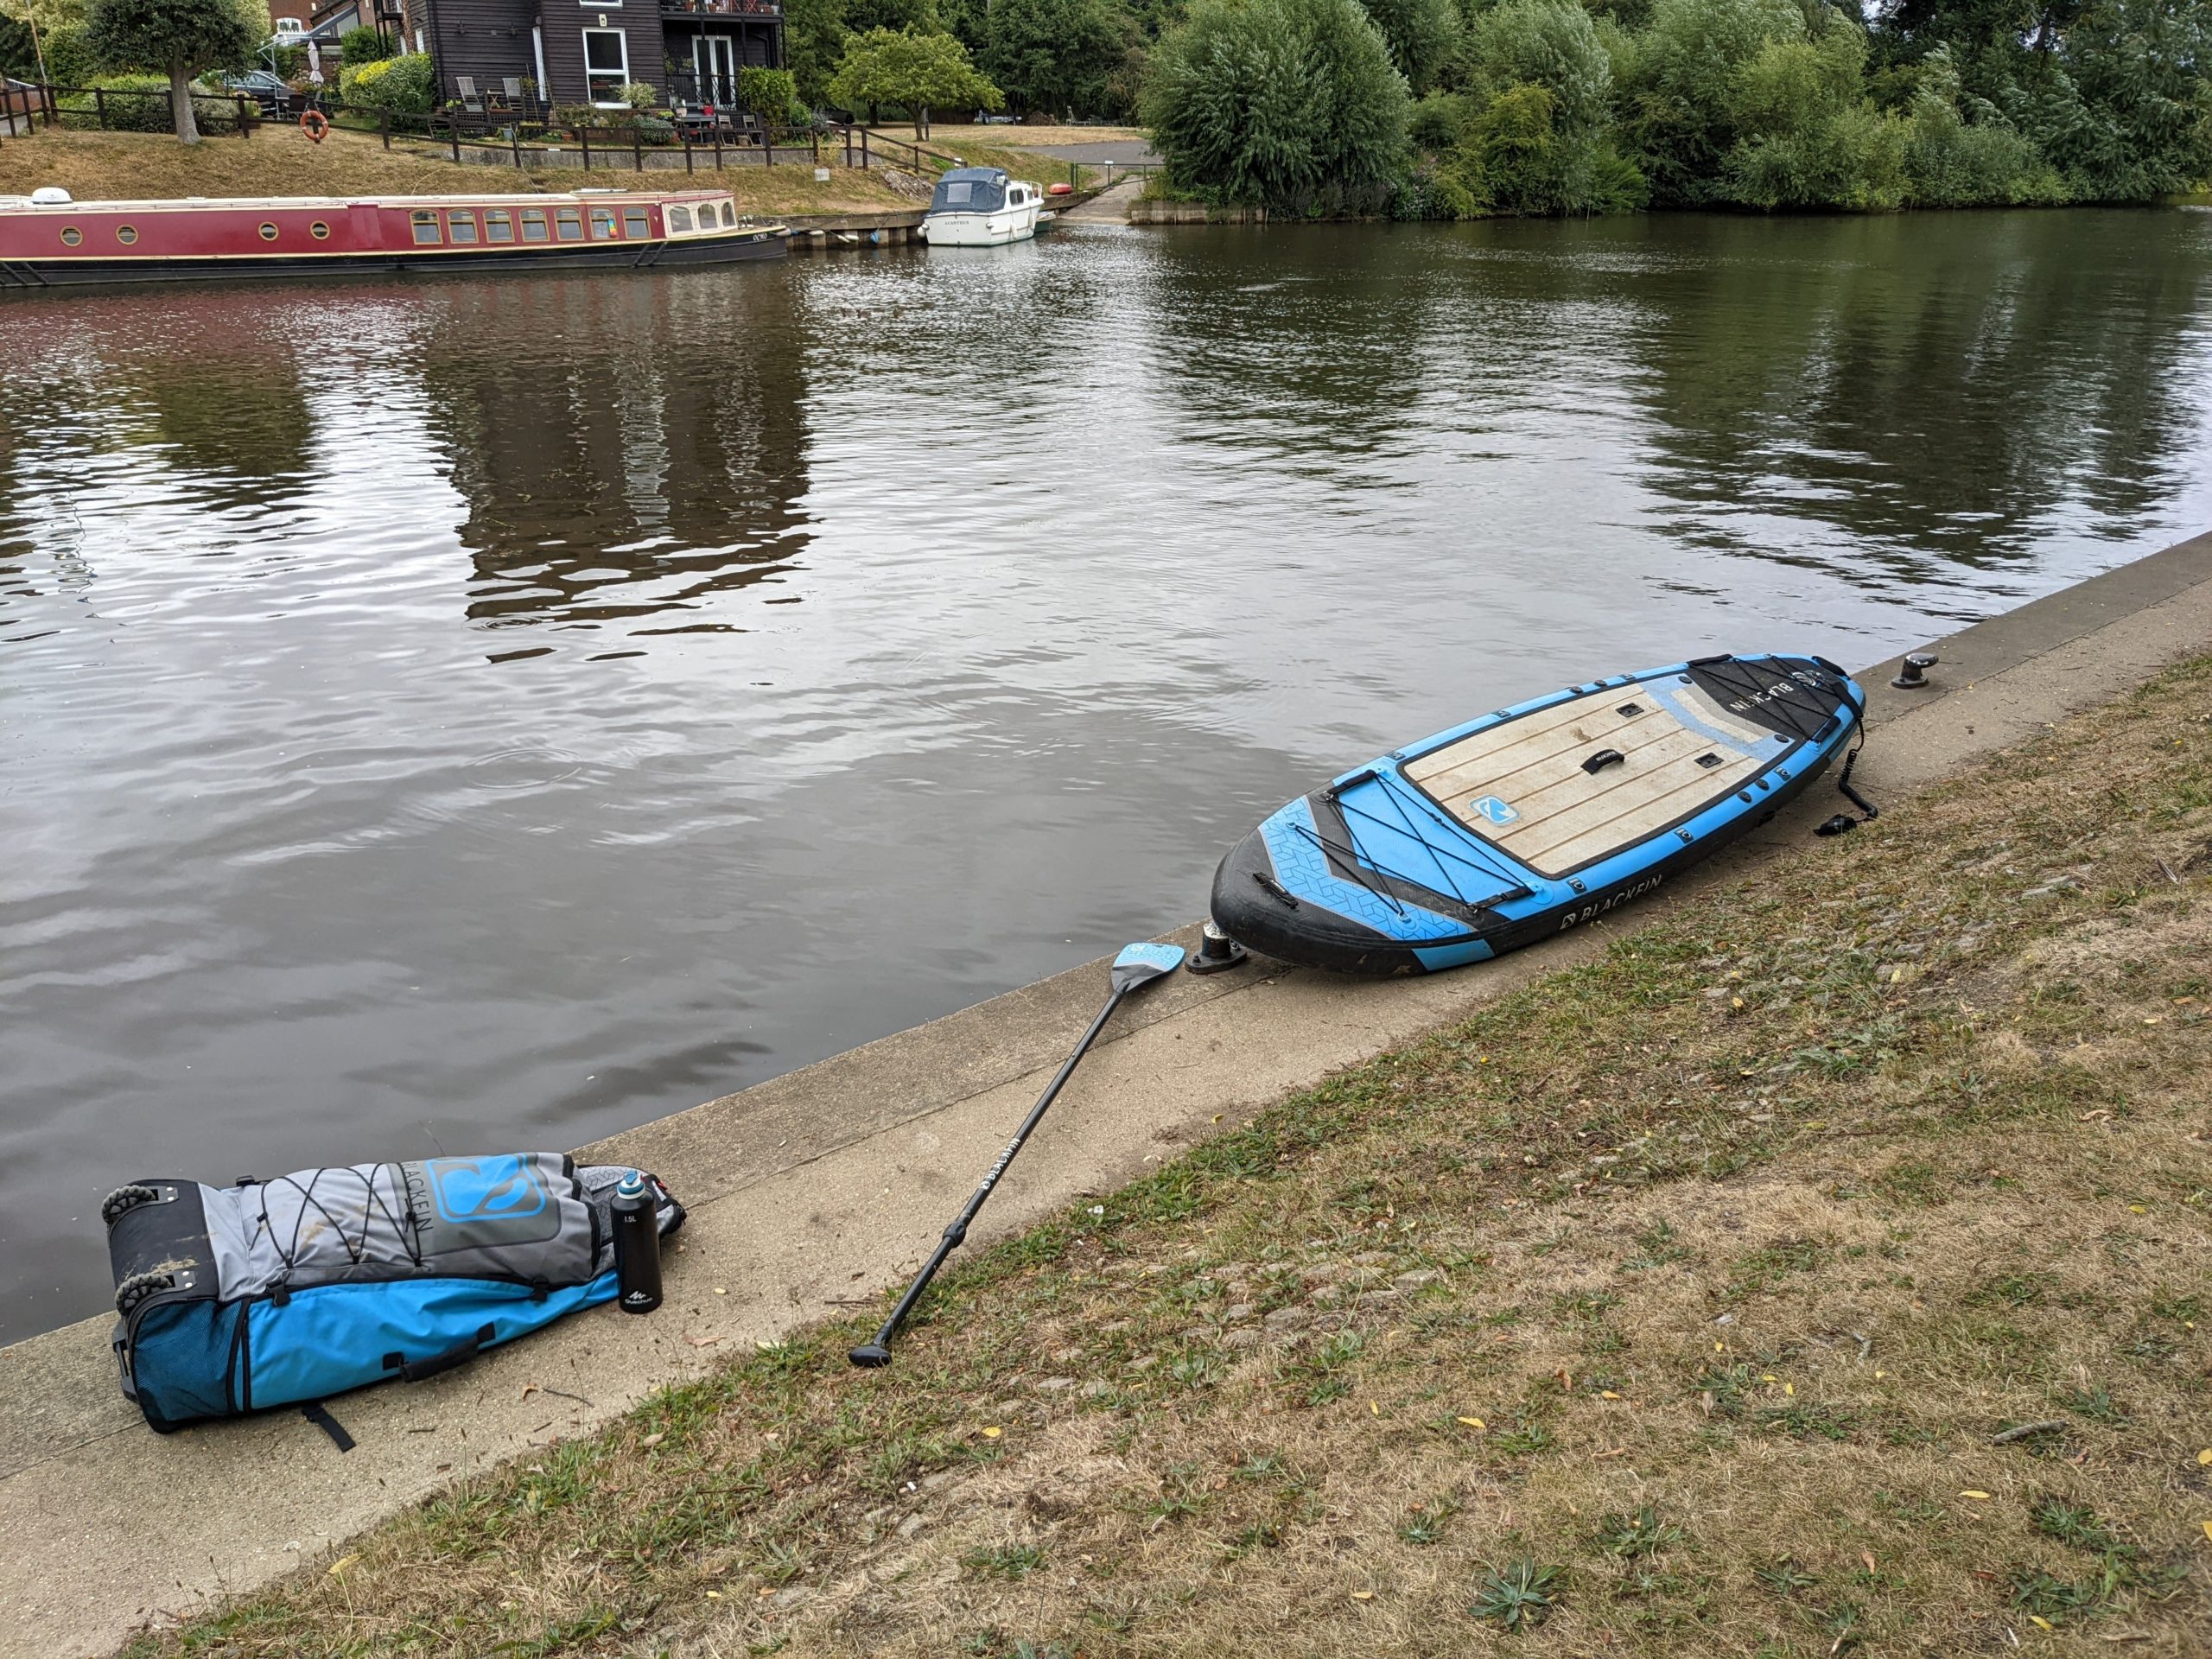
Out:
{"x": 1824, "y": 1269}
{"x": 279, "y": 161}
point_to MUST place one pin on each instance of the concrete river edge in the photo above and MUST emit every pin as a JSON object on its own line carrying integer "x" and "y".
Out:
{"x": 825, "y": 1186}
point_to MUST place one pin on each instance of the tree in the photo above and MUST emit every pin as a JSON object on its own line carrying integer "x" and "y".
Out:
{"x": 1286, "y": 104}
{"x": 179, "y": 38}
{"x": 1057, "y": 55}
{"x": 1422, "y": 35}
{"x": 814, "y": 39}
{"x": 888, "y": 65}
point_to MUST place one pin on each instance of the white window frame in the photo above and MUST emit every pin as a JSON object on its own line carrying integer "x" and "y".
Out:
{"x": 592, "y": 84}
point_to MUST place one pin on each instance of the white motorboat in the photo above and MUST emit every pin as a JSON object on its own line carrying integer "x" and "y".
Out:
{"x": 981, "y": 207}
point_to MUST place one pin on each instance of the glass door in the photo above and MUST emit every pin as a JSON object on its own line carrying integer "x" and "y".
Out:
{"x": 714, "y": 61}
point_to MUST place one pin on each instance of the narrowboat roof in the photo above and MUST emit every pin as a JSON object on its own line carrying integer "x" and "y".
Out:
{"x": 326, "y": 204}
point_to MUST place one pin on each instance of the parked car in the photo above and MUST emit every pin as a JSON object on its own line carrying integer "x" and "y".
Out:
{"x": 266, "y": 89}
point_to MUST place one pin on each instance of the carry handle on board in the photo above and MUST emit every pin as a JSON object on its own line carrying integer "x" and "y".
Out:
{"x": 1597, "y": 762}
{"x": 461, "y": 1353}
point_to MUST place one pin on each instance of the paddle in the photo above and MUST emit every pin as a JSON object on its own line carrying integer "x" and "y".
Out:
{"x": 1137, "y": 965}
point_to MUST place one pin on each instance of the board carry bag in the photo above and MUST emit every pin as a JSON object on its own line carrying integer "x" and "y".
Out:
{"x": 284, "y": 1292}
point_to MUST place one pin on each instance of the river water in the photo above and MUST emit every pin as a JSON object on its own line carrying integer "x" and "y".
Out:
{"x": 473, "y": 714}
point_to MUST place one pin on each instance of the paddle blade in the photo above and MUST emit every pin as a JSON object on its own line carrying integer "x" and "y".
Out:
{"x": 1139, "y": 964}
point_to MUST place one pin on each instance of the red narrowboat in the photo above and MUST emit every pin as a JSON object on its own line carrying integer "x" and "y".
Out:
{"x": 48, "y": 240}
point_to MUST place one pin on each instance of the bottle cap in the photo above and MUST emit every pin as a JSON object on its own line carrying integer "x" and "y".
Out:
{"x": 634, "y": 1185}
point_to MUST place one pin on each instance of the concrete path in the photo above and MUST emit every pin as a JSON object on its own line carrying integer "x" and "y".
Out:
{"x": 813, "y": 1191}
{"x": 1107, "y": 207}
{"x": 1134, "y": 151}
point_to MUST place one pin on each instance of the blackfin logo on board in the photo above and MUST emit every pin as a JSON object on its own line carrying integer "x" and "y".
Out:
{"x": 474, "y": 1203}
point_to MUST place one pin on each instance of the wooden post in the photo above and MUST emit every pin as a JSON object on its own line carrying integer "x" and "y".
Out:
{"x": 384, "y": 127}
{"x": 99, "y": 106}
{"x": 718, "y": 141}
{"x": 244, "y": 131}
{"x": 849, "y": 144}
{"x": 583, "y": 137}
{"x": 514, "y": 142}
{"x": 863, "y": 149}
{"x": 767, "y": 144}
{"x": 453, "y": 131}
{"x": 686, "y": 136}
{"x": 638, "y": 146}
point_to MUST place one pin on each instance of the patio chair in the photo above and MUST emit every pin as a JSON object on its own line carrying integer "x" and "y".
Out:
{"x": 472, "y": 101}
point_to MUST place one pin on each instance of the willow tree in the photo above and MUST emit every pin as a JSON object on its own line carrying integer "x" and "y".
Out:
{"x": 177, "y": 38}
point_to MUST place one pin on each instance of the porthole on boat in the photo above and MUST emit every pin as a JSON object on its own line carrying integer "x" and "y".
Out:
{"x": 71, "y": 236}
{"x": 269, "y": 233}
{"x": 126, "y": 234}
{"x": 320, "y": 230}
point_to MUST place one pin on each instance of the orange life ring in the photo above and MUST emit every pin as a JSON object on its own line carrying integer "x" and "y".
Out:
{"x": 315, "y": 123}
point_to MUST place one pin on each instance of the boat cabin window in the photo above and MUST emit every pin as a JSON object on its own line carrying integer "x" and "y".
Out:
{"x": 498, "y": 225}
{"x": 126, "y": 234}
{"x": 603, "y": 226}
{"x": 729, "y": 215}
{"x": 320, "y": 230}
{"x": 268, "y": 233}
{"x": 679, "y": 221}
{"x": 426, "y": 228}
{"x": 636, "y": 223}
{"x": 533, "y": 223}
{"x": 567, "y": 225}
{"x": 460, "y": 226}
{"x": 71, "y": 236}
{"x": 972, "y": 191}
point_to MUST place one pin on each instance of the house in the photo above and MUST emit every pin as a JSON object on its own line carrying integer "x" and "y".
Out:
{"x": 586, "y": 51}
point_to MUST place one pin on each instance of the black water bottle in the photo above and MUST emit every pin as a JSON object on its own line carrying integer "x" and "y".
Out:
{"x": 637, "y": 1244}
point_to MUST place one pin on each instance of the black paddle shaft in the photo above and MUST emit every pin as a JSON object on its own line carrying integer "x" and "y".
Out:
{"x": 878, "y": 1352}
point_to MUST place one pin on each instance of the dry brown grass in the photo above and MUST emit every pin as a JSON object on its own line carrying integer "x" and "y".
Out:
{"x": 279, "y": 161}
{"x": 1706, "y": 1278}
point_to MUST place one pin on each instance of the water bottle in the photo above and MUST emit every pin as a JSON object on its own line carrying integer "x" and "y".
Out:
{"x": 637, "y": 1244}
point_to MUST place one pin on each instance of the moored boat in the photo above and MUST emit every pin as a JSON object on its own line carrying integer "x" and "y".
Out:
{"x": 46, "y": 239}
{"x": 981, "y": 207}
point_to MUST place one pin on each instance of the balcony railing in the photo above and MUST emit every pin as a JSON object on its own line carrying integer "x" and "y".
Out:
{"x": 769, "y": 10}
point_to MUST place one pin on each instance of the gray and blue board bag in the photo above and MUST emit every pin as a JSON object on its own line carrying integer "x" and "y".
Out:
{"x": 285, "y": 1292}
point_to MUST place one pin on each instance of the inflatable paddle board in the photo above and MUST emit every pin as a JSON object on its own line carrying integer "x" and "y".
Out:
{"x": 1535, "y": 819}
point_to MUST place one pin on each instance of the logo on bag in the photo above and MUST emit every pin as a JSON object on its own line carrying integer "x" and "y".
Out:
{"x": 475, "y": 1189}
{"x": 1495, "y": 810}
{"x": 462, "y": 1204}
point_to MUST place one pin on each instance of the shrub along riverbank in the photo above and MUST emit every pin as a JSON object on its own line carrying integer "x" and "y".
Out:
{"x": 1820, "y": 1270}
{"x": 1422, "y": 110}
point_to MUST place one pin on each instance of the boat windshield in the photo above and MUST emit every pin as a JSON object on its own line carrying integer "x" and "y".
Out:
{"x": 969, "y": 195}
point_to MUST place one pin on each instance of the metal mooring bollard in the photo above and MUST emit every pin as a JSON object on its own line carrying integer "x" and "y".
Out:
{"x": 1914, "y": 677}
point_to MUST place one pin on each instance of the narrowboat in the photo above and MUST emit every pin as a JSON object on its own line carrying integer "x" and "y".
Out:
{"x": 48, "y": 240}
{"x": 981, "y": 207}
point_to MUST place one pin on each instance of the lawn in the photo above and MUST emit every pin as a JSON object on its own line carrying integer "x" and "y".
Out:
{"x": 279, "y": 161}
{"x": 1825, "y": 1268}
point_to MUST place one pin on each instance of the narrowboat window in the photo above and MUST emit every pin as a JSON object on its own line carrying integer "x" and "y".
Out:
{"x": 71, "y": 236}
{"x": 126, "y": 234}
{"x": 460, "y": 226}
{"x": 634, "y": 222}
{"x": 533, "y": 223}
{"x": 426, "y": 228}
{"x": 567, "y": 225}
{"x": 320, "y": 230}
{"x": 602, "y": 226}
{"x": 498, "y": 225}
{"x": 679, "y": 221}
{"x": 729, "y": 214}
{"x": 268, "y": 233}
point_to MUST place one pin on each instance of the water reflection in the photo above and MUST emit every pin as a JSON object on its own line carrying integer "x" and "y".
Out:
{"x": 474, "y": 714}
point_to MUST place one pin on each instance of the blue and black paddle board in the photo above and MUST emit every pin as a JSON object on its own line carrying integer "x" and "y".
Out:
{"x": 1535, "y": 819}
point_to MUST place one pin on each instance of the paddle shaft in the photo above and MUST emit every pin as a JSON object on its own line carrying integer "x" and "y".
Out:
{"x": 957, "y": 1232}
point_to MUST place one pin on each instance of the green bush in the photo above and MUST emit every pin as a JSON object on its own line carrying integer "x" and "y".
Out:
{"x": 1059, "y": 56}
{"x": 364, "y": 44}
{"x": 1682, "y": 86}
{"x": 141, "y": 103}
{"x": 1541, "y": 140}
{"x": 404, "y": 85}
{"x": 768, "y": 94}
{"x": 1289, "y": 103}
{"x": 1809, "y": 135}
{"x": 1436, "y": 121}
{"x": 1961, "y": 152}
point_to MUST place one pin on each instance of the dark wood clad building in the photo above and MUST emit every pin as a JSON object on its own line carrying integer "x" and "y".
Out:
{"x": 585, "y": 51}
